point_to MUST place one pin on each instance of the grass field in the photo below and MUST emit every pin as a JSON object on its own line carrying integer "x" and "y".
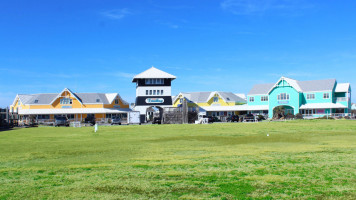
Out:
{"x": 299, "y": 159}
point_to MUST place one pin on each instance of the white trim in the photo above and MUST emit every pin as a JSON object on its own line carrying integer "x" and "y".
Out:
{"x": 72, "y": 111}
{"x": 322, "y": 106}
{"x": 59, "y": 95}
{"x": 292, "y": 83}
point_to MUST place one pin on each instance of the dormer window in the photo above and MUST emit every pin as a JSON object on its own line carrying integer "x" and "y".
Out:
{"x": 36, "y": 101}
{"x": 228, "y": 98}
{"x": 116, "y": 101}
{"x": 216, "y": 99}
{"x": 97, "y": 100}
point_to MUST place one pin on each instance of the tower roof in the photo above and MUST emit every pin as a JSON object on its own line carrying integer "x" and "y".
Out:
{"x": 153, "y": 73}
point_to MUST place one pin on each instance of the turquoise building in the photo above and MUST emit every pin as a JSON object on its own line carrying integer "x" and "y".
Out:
{"x": 315, "y": 98}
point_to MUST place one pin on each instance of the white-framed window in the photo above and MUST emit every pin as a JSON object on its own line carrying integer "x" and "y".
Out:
{"x": 158, "y": 92}
{"x": 326, "y": 96}
{"x": 252, "y": 99}
{"x": 116, "y": 101}
{"x": 264, "y": 98}
{"x": 154, "y": 92}
{"x": 181, "y": 100}
{"x": 150, "y": 92}
{"x": 146, "y": 92}
{"x": 161, "y": 92}
{"x": 66, "y": 101}
{"x": 283, "y": 96}
{"x": 216, "y": 99}
{"x": 310, "y": 96}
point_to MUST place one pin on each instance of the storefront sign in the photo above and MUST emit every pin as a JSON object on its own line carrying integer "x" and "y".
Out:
{"x": 66, "y": 106}
{"x": 283, "y": 102}
{"x": 117, "y": 106}
{"x": 154, "y": 100}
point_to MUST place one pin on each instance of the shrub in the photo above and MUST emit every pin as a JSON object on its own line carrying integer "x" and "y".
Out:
{"x": 325, "y": 117}
{"x": 347, "y": 117}
{"x": 289, "y": 116}
{"x": 299, "y": 116}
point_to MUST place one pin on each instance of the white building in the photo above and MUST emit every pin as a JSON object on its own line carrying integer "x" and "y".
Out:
{"x": 153, "y": 90}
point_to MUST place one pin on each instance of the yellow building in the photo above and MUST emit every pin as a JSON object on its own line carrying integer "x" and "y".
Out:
{"x": 76, "y": 106}
{"x": 211, "y": 103}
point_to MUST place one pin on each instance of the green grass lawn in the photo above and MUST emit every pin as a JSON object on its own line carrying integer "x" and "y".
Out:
{"x": 299, "y": 159}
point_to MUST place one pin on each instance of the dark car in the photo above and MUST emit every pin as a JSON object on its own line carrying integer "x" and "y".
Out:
{"x": 233, "y": 118}
{"x": 249, "y": 117}
{"x": 90, "y": 119}
{"x": 116, "y": 120}
{"x": 156, "y": 120}
{"x": 61, "y": 121}
{"x": 211, "y": 119}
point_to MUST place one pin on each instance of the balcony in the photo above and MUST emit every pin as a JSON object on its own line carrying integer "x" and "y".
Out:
{"x": 341, "y": 99}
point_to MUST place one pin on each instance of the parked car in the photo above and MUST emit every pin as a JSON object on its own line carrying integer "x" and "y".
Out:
{"x": 156, "y": 120}
{"x": 233, "y": 118}
{"x": 61, "y": 121}
{"x": 210, "y": 118}
{"x": 90, "y": 119}
{"x": 249, "y": 117}
{"x": 116, "y": 120}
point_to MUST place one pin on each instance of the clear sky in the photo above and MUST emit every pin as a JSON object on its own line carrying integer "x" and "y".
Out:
{"x": 221, "y": 45}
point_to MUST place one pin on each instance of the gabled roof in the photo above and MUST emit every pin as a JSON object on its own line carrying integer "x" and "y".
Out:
{"x": 293, "y": 83}
{"x": 85, "y": 98}
{"x": 202, "y": 97}
{"x": 300, "y": 86}
{"x": 317, "y": 85}
{"x": 153, "y": 73}
{"x": 261, "y": 89}
{"x": 65, "y": 90}
{"x": 342, "y": 87}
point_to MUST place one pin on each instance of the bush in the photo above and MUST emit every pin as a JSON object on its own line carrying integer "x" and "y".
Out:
{"x": 299, "y": 116}
{"x": 347, "y": 117}
{"x": 289, "y": 116}
{"x": 325, "y": 117}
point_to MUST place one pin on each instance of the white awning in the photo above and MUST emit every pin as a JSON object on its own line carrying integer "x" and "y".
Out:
{"x": 322, "y": 106}
{"x": 234, "y": 108}
{"x": 72, "y": 111}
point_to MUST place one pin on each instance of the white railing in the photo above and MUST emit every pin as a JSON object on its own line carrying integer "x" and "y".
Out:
{"x": 333, "y": 115}
{"x": 339, "y": 99}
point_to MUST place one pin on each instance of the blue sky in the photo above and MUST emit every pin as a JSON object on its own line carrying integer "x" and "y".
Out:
{"x": 222, "y": 45}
